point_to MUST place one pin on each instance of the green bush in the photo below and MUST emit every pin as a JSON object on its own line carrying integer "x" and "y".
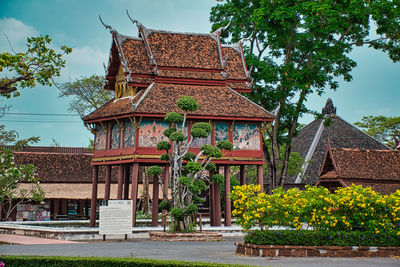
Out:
{"x": 321, "y": 238}
{"x": 52, "y": 261}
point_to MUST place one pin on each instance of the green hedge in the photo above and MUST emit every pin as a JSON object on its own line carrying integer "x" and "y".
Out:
{"x": 321, "y": 238}
{"x": 46, "y": 261}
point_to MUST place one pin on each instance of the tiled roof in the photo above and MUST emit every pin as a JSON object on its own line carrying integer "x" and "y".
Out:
{"x": 367, "y": 164}
{"x": 340, "y": 133}
{"x": 234, "y": 64}
{"x": 184, "y": 50}
{"x": 214, "y": 101}
{"x": 135, "y": 54}
{"x": 66, "y": 167}
{"x": 383, "y": 188}
{"x": 58, "y": 167}
{"x": 121, "y": 106}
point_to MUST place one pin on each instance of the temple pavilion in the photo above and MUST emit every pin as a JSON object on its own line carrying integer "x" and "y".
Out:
{"x": 148, "y": 74}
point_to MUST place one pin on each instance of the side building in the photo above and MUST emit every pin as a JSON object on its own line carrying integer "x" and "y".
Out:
{"x": 311, "y": 143}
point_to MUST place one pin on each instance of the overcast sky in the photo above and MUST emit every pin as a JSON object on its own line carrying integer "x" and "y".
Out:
{"x": 373, "y": 91}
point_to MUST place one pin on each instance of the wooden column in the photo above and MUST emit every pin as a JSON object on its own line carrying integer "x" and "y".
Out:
{"x": 126, "y": 181}
{"x": 134, "y": 191}
{"x": 260, "y": 177}
{"x": 165, "y": 181}
{"x": 242, "y": 175}
{"x": 56, "y": 208}
{"x": 217, "y": 204}
{"x": 81, "y": 207}
{"x": 107, "y": 183}
{"x": 228, "y": 215}
{"x": 154, "y": 217}
{"x": 211, "y": 203}
{"x": 64, "y": 206}
{"x": 120, "y": 181}
{"x": 93, "y": 202}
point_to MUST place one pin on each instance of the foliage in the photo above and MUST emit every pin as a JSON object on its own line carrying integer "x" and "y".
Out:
{"x": 154, "y": 170}
{"x": 187, "y": 179}
{"x": 164, "y": 205}
{"x": 321, "y": 238}
{"x": 225, "y": 145}
{"x": 140, "y": 214}
{"x": 47, "y": 261}
{"x": 385, "y": 129}
{"x": 12, "y": 176}
{"x": 347, "y": 209}
{"x": 39, "y": 64}
{"x": 11, "y": 138}
{"x": 299, "y": 48}
{"x": 87, "y": 94}
{"x": 234, "y": 183}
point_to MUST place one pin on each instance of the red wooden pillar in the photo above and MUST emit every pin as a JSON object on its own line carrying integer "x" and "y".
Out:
{"x": 81, "y": 207}
{"x": 64, "y": 206}
{"x": 217, "y": 204}
{"x": 211, "y": 203}
{"x": 56, "y": 208}
{"x": 126, "y": 181}
{"x": 228, "y": 215}
{"x": 260, "y": 177}
{"x": 134, "y": 191}
{"x": 120, "y": 181}
{"x": 154, "y": 217}
{"x": 107, "y": 183}
{"x": 165, "y": 181}
{"x": 94, "y": 196}
{"x": 242, "y": 175}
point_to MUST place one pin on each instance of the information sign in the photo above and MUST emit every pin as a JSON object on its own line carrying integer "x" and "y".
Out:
{"x": 115, "y": 217}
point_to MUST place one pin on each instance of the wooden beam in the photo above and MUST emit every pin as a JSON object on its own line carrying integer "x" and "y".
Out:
{"x": 154, "y": 217}
{"x": 242, "y": 175}
{"x": 228, "y": 215}
{"x": 120, "y": 181}
{"x": 260, "y": 177}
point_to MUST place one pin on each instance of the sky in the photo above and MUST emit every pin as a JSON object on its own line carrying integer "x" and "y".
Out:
{"x": 374, "y": 89}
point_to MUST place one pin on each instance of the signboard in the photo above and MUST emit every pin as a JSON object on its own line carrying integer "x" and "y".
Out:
{"x": 115, "y": 217}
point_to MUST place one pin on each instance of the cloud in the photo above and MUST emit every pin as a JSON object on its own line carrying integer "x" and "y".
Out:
{"x": 85, "y": 61}
{"x": 17, "y": 32}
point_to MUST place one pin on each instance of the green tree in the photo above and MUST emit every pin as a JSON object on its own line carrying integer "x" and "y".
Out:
{"x": 299, "y": 48}
{"x": 187, "y": 180}
{"x": 385, "y": 129}
{"x": 87, "y": 94}
{"x": 18, "y": 184}
{"x": 39, "y": 64}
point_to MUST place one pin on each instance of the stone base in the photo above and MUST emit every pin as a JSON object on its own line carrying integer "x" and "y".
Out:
{"x": 314, "y": 251}
{"x": 197, "y": 236}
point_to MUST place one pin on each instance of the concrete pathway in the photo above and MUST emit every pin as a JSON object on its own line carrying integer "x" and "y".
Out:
{"x": 31, "y": 240}
{"x": 223, "y": 252}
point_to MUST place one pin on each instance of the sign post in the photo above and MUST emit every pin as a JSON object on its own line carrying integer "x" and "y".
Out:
{"x": 115, "y": 218}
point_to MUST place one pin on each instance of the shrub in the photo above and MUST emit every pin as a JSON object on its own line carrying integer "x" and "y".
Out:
{"x": 47, "y": 261}
{"x": 350, "y": 208}
{"x": 321, "y": 238}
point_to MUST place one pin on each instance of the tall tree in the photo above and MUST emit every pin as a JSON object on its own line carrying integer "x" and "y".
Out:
{"x": 298, "y": 48}
{"x": 385, "y": 129}
{"x": 39, "y": 64}
{"x": 87, "y": 94}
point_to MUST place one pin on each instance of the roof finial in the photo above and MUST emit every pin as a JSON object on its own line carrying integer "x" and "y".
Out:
{"x": 108, "y": 27}
{"x": 246, "y": 38}
{"x": 329, "y": 108}
{"x": 134, "y": 21}
{"x": 224, "y": 27}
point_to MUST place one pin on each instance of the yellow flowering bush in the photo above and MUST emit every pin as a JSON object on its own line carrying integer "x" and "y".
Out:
{"x": 350, "y": 208}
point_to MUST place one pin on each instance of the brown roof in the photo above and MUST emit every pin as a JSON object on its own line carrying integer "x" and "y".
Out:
{"x": 136, "y": 56}
{"x": 184, "y": 50}
{"x": 367, "y": 164}
{"x": 58, "y": 167}
{"x": 340, "y": 133}
{"x": 234, "y": 64}
{"x": 214, "y": 101}
{"x": 383, "y": 188}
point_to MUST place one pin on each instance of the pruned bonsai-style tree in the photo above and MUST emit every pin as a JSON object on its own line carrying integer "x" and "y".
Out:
{"x": 189, "y": 172}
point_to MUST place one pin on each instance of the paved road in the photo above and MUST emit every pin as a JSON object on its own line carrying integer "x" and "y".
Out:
{"x": 223, "y": 251}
